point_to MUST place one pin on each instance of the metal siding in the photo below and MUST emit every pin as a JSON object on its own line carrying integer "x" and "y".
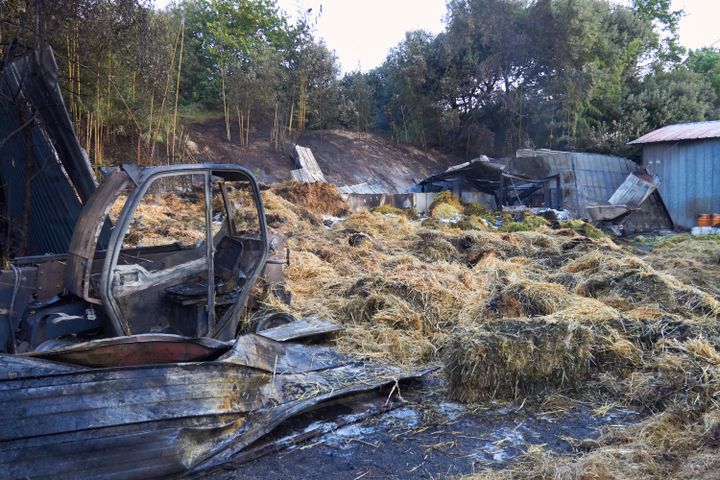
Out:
{"x": 690, "y": 177}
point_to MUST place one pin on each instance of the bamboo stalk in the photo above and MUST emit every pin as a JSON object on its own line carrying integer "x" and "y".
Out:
{"x": 240, "y": 122}
{"x": 226, "y": 110}
{"x": 177, "y": 86}
{"x": 150, "y": 123}
{"x": 247, "y": 128}
{"x": 165, "y": 92}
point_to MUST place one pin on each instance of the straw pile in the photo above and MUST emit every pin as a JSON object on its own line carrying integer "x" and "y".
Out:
{"x": 509, "y": 358}
{"x": 523, "y": 314}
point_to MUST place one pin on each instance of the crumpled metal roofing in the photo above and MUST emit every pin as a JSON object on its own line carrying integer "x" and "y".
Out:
{"x": 681, "y": 131}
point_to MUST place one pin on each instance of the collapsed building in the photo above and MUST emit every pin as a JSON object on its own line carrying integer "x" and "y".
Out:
{"x": 600, "y": 188}
{"x": 607, "y": 190}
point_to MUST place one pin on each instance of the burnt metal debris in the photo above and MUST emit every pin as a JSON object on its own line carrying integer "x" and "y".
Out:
{"x": 146, "y": 421}
{"x": 122, "y": 360}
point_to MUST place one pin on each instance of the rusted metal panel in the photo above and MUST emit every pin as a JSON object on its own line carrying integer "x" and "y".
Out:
{"x": 681, "y": 131}
{"x": 150, "y": 348}
{"x": 85, "y": 238}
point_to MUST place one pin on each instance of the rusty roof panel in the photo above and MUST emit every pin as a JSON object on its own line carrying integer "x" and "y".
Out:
{"x": 681, "y": 131}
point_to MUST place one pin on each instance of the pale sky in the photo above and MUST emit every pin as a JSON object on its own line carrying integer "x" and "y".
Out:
{"x": 363, "y": 31}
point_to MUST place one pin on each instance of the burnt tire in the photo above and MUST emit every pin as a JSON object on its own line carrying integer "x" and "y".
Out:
{"x": 265, "y": 320}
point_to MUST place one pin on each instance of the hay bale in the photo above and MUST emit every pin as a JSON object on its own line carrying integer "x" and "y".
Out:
{"x": 583, "y": 309}
{"x": 513, "y": 358}
{"x": 526, "y": 298}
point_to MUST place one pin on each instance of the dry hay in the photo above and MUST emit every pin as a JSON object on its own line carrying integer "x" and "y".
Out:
{"x": 527, "y": 298}
{"x": 446, "y": 197}
{"x": 164, "y": 218}
{"x": 377, "y": 225}
{"x": 678, "y": 380}
{"x": 591, "y": 313}
{"x": 445, "y": 211}
{"x": 507, "y": 359}
{"x": 320, "y": 198}
{"x": 629, "y": 282}
{"x": 692, "y": 260}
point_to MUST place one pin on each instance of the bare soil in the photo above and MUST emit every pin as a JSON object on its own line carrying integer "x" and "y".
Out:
{"x": 346, "y": 158}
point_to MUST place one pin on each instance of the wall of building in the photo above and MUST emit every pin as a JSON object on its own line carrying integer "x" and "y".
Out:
{"x": 689, "y": 174}
{"x": 586, "y": 178}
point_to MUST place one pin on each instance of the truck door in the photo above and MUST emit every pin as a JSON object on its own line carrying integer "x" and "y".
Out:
{"x": 158, "y": 274}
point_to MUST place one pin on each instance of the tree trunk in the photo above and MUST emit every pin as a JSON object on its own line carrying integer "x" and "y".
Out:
{"x": 226, "y": 110}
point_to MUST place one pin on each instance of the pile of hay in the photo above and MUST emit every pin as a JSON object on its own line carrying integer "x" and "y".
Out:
{"x": 507, "y": 359}
{"x": 511, "y": 314}
{"x": 626, "y": 282}
{"x": 680, "y": 382}
{"x": 320, "y": 198}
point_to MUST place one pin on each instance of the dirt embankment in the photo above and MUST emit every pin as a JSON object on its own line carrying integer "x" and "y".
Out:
{"x": 345, "y": 157}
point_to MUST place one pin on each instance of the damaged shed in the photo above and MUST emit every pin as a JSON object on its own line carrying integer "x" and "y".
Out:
{"x": 686, "y": 158}
{"x": 601, "y": 188}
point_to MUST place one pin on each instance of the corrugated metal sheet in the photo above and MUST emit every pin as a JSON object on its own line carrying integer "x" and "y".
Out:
{"x": 586, "y": 178}
{"x": 362, "y": 189}
{"x": 681, "y": 131}
{"x": 304, "y": 159}
{"x": 55, "y": 204}
{"x": 633, "y": 191}
{"x": 148, "y": 421}
{"x": 689, "y": 175}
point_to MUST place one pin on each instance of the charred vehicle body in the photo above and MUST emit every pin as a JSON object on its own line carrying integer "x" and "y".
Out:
{"x": 112, "y": 283}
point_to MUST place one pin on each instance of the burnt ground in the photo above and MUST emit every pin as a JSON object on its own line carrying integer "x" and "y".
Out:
{"x": 422, "y": 437}
{"x": 345, "y": 157}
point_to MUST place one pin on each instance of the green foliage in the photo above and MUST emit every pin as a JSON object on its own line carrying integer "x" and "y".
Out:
{"x": 583, "y": 228}
{"x": 529, "y": 222}
{"x": 447, "y": 197}
{"x": 504, "y": 74}
{"x": 444, "y": 211}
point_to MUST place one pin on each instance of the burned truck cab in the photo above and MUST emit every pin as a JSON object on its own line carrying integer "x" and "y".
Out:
{"x": 171, "y": 249}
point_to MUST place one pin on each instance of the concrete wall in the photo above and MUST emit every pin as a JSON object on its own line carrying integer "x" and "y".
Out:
{"x": 689, "y": 174}
{"x": 359, "y": 202}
